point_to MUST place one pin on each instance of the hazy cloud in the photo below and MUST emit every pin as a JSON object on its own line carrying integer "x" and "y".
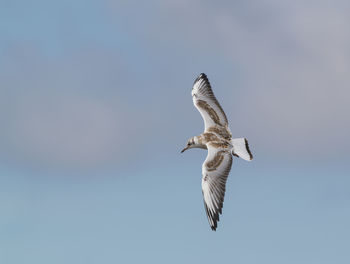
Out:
{"x": 281, "y": 70}
{"x": 293, "y": 61}
{"x": 65, "y": 113}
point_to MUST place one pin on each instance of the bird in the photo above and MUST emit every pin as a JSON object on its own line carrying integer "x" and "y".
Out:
{"x": 217, "y": 139}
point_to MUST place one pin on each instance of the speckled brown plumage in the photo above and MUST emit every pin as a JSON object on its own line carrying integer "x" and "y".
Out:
{"x": 216, "y": 161}
{"x": 211, "y": 112}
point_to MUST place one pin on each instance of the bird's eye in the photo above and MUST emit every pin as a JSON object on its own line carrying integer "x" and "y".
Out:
{"x": 188, "y": 144}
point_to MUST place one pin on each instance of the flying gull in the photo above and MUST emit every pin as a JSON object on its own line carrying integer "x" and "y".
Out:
{"x": 217, "y": 139}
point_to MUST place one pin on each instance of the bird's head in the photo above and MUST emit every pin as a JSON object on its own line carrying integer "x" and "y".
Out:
{"x": 190, "y": 144}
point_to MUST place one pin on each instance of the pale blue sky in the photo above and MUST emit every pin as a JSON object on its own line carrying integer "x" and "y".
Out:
{"x": 95, "y": 107}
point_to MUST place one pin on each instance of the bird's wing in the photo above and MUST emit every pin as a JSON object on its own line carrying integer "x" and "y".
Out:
{"x": 207, "y": 104}
{"x": 215, "y": 171}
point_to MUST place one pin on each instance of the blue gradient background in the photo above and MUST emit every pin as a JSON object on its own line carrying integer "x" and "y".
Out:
{"x": 95, "y": 107}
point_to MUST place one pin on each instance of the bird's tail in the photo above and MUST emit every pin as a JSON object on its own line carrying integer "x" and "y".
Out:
{"x": 241, "y": 148}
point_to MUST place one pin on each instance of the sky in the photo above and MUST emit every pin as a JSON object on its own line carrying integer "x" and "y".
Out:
{"x": 95, "y": 107}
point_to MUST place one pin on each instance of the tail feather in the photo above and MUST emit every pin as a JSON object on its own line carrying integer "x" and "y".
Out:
{"x": 241, "y": 148}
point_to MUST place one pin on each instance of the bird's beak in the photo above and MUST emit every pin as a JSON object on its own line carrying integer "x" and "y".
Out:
{"x": 184, "y": 149}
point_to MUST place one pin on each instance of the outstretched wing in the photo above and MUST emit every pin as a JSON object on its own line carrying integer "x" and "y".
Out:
{"x": 215, "y": 171}
{"x": 207, "y": 104}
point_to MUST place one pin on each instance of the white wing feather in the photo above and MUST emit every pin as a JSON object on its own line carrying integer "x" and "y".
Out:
{"x": 206, "y": 103}
{"x": 215, "y": 171}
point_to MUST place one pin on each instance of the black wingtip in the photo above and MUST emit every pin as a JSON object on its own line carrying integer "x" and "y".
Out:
{"x": 201, "y": 76}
